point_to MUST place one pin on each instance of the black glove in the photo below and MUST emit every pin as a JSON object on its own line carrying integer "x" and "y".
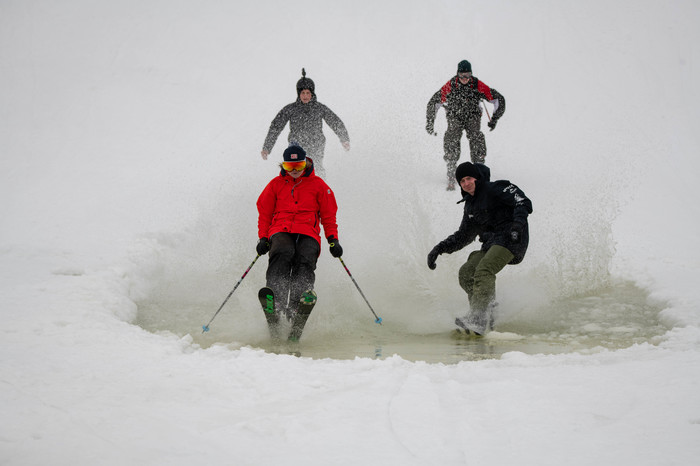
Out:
{"x": 336, "y": 249}
{"x": 430, "y": 128}
{"x": 432, "y": 257}
{"x": 516, "y": 232}
{"x": 492, "y": 124}
{"x": 263, "y": 246}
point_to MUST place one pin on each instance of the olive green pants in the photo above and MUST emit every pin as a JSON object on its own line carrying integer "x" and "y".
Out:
{"x": 478, "y": 275}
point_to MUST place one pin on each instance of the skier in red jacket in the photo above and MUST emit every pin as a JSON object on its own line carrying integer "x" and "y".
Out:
{"x": 291, "y": 210}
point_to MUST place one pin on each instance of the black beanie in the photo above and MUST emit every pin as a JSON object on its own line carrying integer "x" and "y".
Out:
{"x": 464, "y": 66}
{"x": 294, "y": 154}
{"x": 467, "y": 169}
{"x": 305, "y": 83}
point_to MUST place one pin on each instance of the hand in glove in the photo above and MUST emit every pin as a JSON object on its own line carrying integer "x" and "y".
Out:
{"x": 430, "y": 128}
{"x": 432, "y": 257}
{"x": 335, "y": 248}
{"x": 492, "y": 124}
{"x": 516, "y": 232}
{"x": 263, "y": 246}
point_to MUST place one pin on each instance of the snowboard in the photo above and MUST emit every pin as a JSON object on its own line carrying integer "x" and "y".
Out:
{"x": 267, "y": 301}
{"x": 306, "y": 305}
{"x": 461, "y": 334}
{"x": 469, "y": 327}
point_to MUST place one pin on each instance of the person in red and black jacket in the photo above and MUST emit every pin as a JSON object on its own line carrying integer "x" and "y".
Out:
{"x": 291, "y": 210}
{"x": 461, "y": 96}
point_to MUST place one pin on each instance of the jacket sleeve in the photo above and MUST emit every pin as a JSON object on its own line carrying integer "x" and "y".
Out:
{"x": 434, "y": 105}
{"x": 266, "y": 209}
{"x": 459, "y": 239}
{"x": 336, "y": 124}
{"x": 499, "y": 104}
{"x": 328, "y": 209}
{"x": 494, "y": 97}
{"x": 276, "y": 127}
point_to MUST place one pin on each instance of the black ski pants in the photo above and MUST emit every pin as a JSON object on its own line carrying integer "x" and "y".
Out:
{"x": 290, "y": 271}
{"x": 471, "y": 124}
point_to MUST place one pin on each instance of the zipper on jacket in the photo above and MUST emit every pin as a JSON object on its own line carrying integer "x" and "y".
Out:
{"x": 294, "y": 186}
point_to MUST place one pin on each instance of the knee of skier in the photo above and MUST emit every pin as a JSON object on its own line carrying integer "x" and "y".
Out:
{"x": 465, "y": 276}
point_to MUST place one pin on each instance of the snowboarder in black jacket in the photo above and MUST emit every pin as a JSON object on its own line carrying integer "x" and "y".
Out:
{"x": 305, "y": 117}
{"x": 496, "y": 212}
{"x": 461, "y": 96}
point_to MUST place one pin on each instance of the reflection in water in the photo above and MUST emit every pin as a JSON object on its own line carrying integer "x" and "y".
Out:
{"x": 613, "y": 318}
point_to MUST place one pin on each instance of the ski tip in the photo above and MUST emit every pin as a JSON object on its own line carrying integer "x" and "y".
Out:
{"x": 205, "y": 328}
{"x": 379, "y": 320}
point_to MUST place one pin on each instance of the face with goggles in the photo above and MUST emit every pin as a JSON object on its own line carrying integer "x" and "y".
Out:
{"x": 294, "y": 169}
{"x": 464, "y": 76}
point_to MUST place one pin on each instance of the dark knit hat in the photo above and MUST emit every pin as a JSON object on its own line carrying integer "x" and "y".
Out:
{"x": 294, "y": 154}
{"x": 467, "y": 169}
{"x": 464, "y": 66}
{"x": 305, "y": 83}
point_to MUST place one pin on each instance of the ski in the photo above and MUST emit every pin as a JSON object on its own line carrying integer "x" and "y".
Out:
{"x": 306, "y": 305}
{"x": 267, "y": 301}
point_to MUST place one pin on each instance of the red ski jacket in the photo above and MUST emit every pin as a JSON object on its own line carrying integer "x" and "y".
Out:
{"x": 476, "y": 86}
{"x": 297, "y": 206}
{"x": 462, "y": 100}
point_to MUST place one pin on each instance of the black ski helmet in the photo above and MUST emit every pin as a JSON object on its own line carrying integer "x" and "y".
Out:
{"x": 464, "y": 66}
{"x": 305, "y": 83}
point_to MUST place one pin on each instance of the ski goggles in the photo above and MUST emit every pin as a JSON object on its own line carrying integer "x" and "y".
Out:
{"x": 465, "y": 75}
{"x": 294, "y": 166}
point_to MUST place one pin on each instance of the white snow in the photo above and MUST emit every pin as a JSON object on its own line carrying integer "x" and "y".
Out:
{"x": 130, "y": 135}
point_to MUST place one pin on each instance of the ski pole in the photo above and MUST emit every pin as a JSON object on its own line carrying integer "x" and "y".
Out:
{"x": 486, "y": 110}
{"x": 378, "y": 319}
{"x": 205, "y": 328}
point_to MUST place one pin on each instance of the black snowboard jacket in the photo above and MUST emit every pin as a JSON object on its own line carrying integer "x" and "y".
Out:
{"x": 305, "y": 125}
{"x": 489, "y": 214}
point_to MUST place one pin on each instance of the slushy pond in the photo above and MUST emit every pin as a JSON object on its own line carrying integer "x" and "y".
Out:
{"x": 611, "y": 318}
